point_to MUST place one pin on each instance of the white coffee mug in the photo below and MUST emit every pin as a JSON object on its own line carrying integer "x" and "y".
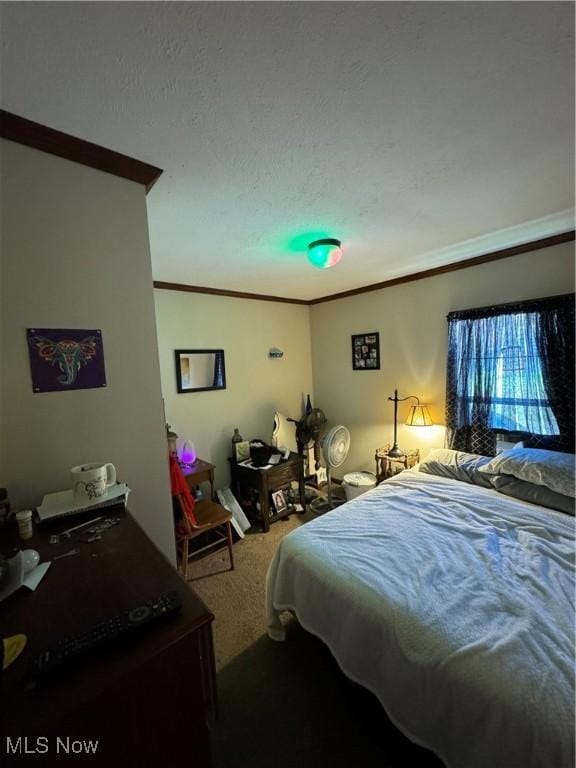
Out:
{"x": 91, "y": 481}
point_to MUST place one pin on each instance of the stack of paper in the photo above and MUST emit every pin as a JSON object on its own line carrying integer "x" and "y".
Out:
{"x": 62, "y": 503}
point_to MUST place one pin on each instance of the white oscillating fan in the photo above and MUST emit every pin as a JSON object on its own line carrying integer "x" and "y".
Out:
{"x": 335, "y": 446}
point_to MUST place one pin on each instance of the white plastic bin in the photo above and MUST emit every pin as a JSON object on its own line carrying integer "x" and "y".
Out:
{"x": 356, "y": 483}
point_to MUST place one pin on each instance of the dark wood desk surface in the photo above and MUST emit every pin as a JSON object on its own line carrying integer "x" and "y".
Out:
{"x": 106, "y": 578}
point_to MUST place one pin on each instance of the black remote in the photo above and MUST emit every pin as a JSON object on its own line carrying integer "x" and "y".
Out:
{"x": 70, "y": 648}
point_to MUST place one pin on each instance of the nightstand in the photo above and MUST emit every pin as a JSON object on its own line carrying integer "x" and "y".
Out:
{"x": 200, "y": 472}
{"x": 387, "y": 466}
{"x": 265, "y": 481}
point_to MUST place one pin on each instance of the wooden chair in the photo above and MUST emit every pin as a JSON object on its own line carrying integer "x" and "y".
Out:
{"x": 210, "y": 517}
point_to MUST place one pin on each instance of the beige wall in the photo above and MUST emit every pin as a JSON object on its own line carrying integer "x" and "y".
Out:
{"x": 411, "y": 319}
{"x": 255, "y": 385}
{"x": 2, "y": 425}
{"x": 75, "y": 254}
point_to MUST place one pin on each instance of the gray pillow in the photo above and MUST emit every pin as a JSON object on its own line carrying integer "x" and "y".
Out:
{"x": 551, "y": 469}
{"x": 456, "y": 465}
{"x": 536, "y": 494}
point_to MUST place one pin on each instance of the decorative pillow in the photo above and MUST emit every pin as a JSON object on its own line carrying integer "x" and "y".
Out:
{"x": 536, "y": 494}
{"x": 549, "y": 468}
{"x": 456, "y": 465}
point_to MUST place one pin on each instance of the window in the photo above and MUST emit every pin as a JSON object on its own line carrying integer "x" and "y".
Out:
{"x": 511, "y": 369}
{"x": 506, "y": 365}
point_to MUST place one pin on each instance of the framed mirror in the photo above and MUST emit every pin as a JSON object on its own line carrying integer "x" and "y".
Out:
{"x": 199, "y": 370}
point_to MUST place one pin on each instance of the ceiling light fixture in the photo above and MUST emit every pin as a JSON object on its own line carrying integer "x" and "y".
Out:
{"x": 325, "y": 253}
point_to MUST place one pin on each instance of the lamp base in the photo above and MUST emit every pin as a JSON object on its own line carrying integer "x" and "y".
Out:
{"x": 395, "y": 452}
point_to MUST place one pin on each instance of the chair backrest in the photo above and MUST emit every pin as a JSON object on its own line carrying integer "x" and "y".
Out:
{"x": 184, "y": 520}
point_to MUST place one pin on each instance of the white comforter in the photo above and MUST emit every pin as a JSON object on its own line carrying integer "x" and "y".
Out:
{"x": 454, "y": 605}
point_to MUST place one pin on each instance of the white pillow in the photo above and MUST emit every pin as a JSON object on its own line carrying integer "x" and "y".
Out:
{"x": 552, "y": 469}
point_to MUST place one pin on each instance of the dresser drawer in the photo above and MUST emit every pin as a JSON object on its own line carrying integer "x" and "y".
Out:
{"x": 281, "y": 475}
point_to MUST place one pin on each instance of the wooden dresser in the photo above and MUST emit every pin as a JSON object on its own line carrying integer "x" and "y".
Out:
{"x": 147, "y": 700}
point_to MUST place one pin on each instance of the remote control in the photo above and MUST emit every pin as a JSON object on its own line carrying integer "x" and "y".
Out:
{"x": 70, "y": 648}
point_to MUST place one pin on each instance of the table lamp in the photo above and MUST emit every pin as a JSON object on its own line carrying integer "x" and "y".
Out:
{"x": 188, "y": 455}
{"x": 418, "y": 416}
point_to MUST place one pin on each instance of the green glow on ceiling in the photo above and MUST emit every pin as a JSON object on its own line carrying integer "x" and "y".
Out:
{"x": 299, "y": 243}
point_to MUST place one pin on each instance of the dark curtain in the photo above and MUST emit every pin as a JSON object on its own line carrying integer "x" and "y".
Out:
{"x": 556, "y": 347}
{"x": 467, "y": 419}
{"x": 510, "y": 368}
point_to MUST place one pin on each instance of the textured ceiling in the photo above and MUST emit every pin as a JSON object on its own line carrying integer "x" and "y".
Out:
{"x": 415, "y": 132}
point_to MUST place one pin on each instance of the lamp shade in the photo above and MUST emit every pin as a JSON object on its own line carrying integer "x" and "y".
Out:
{"x": 325, "y": 253}
{"x": 418, "y": 416}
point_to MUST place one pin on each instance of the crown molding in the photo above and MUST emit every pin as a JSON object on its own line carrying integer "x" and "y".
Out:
{"x": 221, "y": 292}
{"x": 24, "y": 131}
{"x": 499, "y": 240}
{"x": 485, "y": 258}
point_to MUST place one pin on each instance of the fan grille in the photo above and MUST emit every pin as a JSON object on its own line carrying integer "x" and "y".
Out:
{"x": 336, "y": 445}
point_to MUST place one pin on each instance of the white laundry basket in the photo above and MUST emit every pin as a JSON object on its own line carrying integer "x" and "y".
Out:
{"x": 356, "y": 483}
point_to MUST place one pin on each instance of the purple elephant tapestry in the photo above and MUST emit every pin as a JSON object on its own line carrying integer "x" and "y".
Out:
{"x": 65, "y": 359}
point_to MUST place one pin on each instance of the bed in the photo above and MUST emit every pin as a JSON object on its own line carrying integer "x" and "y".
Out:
{"x": 454, "y": 605}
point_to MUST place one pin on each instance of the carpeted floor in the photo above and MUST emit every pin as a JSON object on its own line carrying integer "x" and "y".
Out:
{"x": 287, "y": 704}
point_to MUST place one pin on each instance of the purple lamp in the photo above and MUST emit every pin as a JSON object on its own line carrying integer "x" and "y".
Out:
{"x": 188, "y": 455}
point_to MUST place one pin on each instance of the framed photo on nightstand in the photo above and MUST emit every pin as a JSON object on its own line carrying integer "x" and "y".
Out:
{"x": 280, "y": 503}
{"x": 366, "y": 351}
{"x": 242, "y": 450}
